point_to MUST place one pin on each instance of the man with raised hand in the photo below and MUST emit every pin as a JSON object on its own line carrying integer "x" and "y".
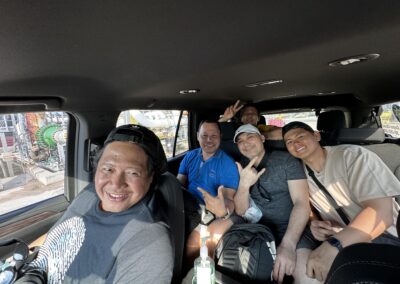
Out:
{"x": 273, "y": 191}
{"x": 211, "y": 178}
{"x": 248, "y": 113}
{"x": 352, "y": 190}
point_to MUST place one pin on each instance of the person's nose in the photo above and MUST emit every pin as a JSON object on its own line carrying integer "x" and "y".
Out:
{"x": 297, "y": 144}
{"x": 118, "y": 179}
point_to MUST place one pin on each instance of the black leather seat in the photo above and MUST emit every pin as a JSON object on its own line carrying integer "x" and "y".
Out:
{"x": 171, "y": 191}
{"x": 328, "y": 124}
{"x": 366, "y": 263}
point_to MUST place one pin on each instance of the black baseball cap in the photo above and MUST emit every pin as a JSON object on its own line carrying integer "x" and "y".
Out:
{"x": 294, "y": 125}
{"x": 145, "y": 138}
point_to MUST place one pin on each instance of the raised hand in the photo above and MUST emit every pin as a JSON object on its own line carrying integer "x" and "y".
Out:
{"x": 215, "y": 204}
{"x": 231, "y": 111}
{"x": 249, "y": 175}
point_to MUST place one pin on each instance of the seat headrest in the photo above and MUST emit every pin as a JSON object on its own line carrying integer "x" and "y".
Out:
{"x": 331, "y": 120}
{"x": 361, "y": 135}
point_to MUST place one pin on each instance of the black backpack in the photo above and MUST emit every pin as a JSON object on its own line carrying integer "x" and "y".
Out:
{"x": 247, "y": 253}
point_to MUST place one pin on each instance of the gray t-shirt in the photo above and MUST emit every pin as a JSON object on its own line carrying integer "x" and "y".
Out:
{"x": 271, "y": 192}
{"x": 88, "y": 245}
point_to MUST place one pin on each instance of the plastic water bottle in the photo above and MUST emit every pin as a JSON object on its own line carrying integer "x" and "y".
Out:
{"x": 204, "y": 268}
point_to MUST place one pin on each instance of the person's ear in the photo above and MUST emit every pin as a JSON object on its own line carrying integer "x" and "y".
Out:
{"x": 317, "y": 136}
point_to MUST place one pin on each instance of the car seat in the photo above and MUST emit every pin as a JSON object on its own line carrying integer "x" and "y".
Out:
{"x": 366, "y": 263}
{"x": 227, "y": 145}
{"x": 171, "y": 191}
{"x": 372, "y": 139}
{"x": 328, "y": 124}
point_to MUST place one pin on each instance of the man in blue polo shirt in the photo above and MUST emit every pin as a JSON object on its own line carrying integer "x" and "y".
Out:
{"x": 211, "y": 177}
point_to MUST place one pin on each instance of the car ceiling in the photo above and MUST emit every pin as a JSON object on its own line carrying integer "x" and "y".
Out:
{"x": 115, "y": 55}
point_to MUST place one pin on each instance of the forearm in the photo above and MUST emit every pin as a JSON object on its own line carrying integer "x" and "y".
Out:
{"x": 241, "y": 199}
{"x": 368, "y": 224}
{"x": 297, "y": 222}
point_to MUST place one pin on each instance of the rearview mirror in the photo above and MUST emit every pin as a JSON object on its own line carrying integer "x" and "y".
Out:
{"x": 396, "y": 111}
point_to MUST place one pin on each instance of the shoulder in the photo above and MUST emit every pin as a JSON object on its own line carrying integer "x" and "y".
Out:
{"x": 347, "y": 152}
{"x": 190, "y": 156}
{"x": 283, "y": 157}
{"x": 192, "y": 152}
{"x": 85, "y": 199}
{"x": 224, "y": 156}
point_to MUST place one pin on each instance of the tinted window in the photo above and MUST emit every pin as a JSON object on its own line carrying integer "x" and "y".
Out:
{"x": 32, "y": 158}
{"x": 164, "y": 124}
{"x": 390, "y": 123}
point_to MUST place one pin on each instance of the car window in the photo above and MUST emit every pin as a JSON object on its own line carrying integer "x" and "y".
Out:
{"x": 164, "y": 124}
{"x": 32, "y": 158}
{"x": 280, "y": 119}
{"x": 390, "y": 118}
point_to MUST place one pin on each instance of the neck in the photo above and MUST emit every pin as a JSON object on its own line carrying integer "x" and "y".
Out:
{"x": 316, "y": 161}
{"x": 207, "y": 156}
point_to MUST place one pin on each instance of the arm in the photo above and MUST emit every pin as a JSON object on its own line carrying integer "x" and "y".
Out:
{"x": 371, "y": 222}
{"x": 300, "y": 213}
{"x": 229, "y": 194}
{"x": 286, "y": 254}
{"x": 230, "y": 112}
{"x": 182, "y": 179}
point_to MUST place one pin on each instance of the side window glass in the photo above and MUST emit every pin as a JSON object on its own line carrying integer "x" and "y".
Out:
{"x": 32, "y": 158}
{"x": 164, "y": 124}
{"x": 390, "y": 118}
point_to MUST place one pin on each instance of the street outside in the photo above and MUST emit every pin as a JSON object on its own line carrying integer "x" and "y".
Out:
{"x": 23, "y": 190}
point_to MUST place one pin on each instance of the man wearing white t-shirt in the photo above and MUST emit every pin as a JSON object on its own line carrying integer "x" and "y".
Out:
{"x": 360, "y": 184}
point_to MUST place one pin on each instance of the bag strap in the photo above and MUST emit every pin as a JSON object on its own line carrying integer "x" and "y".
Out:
{"x": 338, "y": 209}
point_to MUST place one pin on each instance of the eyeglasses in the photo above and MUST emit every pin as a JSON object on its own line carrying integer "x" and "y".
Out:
{"x": 263, "y": 191}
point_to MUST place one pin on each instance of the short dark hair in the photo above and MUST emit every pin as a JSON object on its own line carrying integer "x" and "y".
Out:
{"x": 210, "y": 121}
{"x": 294, "y": 125}
{"x": 249, "y": 105}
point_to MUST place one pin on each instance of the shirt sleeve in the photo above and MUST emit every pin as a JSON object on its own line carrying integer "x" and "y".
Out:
{"x": 368, "y": 175}
{"x": 294, "y": 169}
{"x": 183, "y": 170}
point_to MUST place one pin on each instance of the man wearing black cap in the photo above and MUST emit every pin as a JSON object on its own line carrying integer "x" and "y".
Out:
{"x": 352, "y": 190}
{"x": 112, "y": 232}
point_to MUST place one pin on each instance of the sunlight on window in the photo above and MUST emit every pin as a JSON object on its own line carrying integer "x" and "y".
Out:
{"x": 164, "y": 124}
{"x": 32, "y": 158}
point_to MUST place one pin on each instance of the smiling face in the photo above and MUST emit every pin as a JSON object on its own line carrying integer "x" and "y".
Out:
{"x": 249, "y": 115}
{"x": 122, "y": 177}
{"x": 251, "y": 145}
{"x": 209, "y": 138}
{"x": 302, "y": 143}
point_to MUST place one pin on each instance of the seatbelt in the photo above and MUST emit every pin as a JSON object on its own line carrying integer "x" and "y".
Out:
{"x": 338, "y": 209}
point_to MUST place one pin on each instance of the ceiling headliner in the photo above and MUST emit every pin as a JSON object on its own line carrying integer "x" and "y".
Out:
{"x": 98, "y": 55}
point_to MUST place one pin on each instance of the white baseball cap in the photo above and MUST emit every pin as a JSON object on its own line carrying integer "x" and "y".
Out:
{"x": 246, "y": 128}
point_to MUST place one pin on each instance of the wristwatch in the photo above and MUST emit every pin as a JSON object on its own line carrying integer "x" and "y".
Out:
{"x": 334, "y": 242}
